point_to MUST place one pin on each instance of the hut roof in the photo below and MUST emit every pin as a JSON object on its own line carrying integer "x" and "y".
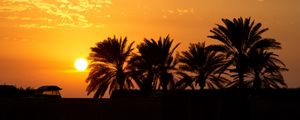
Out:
{"x": 49, "y": 87}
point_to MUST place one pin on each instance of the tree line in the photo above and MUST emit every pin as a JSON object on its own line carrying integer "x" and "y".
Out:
{"x": 10, "y": 91}
{"x": 243, "y": 60}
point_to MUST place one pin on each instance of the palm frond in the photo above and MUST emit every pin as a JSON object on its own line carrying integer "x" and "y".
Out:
{"x": 108, "y": 72}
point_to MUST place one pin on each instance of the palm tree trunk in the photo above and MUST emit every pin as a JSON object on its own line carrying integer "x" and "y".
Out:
{"x": 257, "y": 81}
{"x": 120, "y": 78}
{"x": 240, "y": 75}
{"x": 147, "y": 87}
{"x": 202, "y": 82}
{"x": 201, "y": 88}
{"x": 164, "y": 79}
{"x": 240, "y": 66}
{"x": 165, "y": 88}
{"x": 241, "y": 79}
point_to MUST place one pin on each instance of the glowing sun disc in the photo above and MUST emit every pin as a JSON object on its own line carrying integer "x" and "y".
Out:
{"x": 81, "y": 64}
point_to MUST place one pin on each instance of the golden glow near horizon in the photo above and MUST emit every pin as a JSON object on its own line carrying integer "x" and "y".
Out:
{"x": 43, "y": 37}
{"x": 81, "y": 64}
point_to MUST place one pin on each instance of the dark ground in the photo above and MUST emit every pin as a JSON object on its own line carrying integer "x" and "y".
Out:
{"x": 176, "y": 105}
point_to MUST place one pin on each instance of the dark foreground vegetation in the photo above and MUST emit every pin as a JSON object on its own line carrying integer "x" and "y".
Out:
{"x": 10, "y": 91}
{"x": 244, "y": 59}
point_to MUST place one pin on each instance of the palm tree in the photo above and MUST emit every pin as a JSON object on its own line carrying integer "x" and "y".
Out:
{"x": 239, "y": 37}
{"x": 266, "y": 70}
{"x": 202, "y": 65}
{"x": 107, "y": 67}
{"x": 154, "y": 63}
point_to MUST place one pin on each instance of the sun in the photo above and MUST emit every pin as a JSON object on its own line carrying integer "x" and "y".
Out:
{"x": 81, "y": 64}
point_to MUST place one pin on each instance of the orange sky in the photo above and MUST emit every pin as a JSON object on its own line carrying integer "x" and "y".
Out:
{"x": 40, "y": 39}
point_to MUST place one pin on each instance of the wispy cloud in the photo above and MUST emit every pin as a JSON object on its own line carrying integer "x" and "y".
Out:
{"x": 27, "y": 18}
{"x": 178, "y": 11}
{"x": 14, "y": 8}
{"x": 53, "y": 13}
{"x": 35, "y": 26}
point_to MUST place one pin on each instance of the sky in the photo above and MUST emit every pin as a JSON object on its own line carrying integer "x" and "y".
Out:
{"x": 41, "y": 39}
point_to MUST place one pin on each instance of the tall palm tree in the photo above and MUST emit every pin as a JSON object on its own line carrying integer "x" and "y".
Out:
{"x": 107, "y": 67}
{"x": 239, "y": 37}
{"x": 203, "y": 65}
{"x": 154, "y": 63}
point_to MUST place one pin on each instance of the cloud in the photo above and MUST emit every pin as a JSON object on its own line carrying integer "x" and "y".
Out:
{"x": 53, "y": 13}
{"x": 39, "y": 19}
{"x": 14, "y": 8}
{"x": 34, "y": 26}
{"x": 178, "y": 11}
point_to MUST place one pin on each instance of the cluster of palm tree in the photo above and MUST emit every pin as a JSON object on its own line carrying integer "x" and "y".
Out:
{"x": 244, "y": 60}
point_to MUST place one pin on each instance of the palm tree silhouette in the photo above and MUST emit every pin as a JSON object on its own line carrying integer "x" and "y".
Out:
{"x": 107, "y": 68}
{"x": 202, "y": 65}
{"x": 154, "y": 63}
{"x": 266, "y": 69}
{"x": 239, "y": 37}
